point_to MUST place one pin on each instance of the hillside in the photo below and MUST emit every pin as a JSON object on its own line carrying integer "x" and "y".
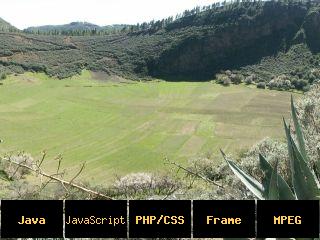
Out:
{"x": 262, "y": 38}
{"x": 74, "y": 26}
{"x": 6, "y": 27}
{"x": 142, "y": 111}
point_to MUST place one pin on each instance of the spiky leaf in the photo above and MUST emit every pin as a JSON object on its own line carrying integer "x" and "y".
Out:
{"x": 303, "y": 180}
{"x": 298, "y": 130}
{"x": 285, "y": 192}
{"x": 267, "y": 171}
{"x": 317, "y": 164}
{"x": 252, "y": 184}
{"x": 273, "y": 193}
{"x": 290, "y": 153}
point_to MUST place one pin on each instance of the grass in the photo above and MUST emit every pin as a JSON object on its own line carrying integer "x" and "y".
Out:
{"x": 118, "y": 128}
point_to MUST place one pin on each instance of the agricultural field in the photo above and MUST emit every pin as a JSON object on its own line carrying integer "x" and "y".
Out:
{"x": 117, "y": 126}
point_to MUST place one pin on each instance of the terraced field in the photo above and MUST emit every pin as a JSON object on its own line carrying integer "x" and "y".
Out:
{"x": 121, "y": 127}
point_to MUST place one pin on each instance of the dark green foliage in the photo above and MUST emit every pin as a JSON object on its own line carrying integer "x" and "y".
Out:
{"x": 77, "y": 29}
{"x": 312, "y": 22}
{"x": 300, "y": 84}
{"x": 230, "y": 37}
{"x": 297, "y": 64}
{"x": 264, "y": 39}
{"x": 3, "y": 76}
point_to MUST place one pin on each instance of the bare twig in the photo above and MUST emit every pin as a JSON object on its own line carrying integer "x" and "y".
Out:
{"x": 42, "y": 159}
{"x": 193, "y": 173}
{"x": 15, "y": 172}
{"x": 59, "y": 163}
{"x": 81, "y": 169}
{"x": 172, "y": 190}
{"x": 63, "y": 182}
{"x": 43, "y": 185}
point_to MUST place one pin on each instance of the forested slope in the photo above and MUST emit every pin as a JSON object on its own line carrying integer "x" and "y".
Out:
{"x": 262, "y": 38}
{"x": 6, "y": 27}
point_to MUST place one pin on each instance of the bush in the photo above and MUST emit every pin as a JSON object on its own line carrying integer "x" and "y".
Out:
{"x": 276, "y": 152}
{"x": 219, "y": 78}
{"x": 223, "y": 79}
{"x": 207, "y": 167}
{"x": 309, "y": 116}
{"x": 250, "y": 79}
{"x": 299, "y": 83}
{"x": 306, "y": 88}
{"x": 261, "y": 85}
{"x": 228, "y": 73}
{"x": 226, "y": 81}
{"x": 142, "y": 185}
{"x": 3, "y": 76}
{"x": 236, "y": 78}
{"x": 314, "y": 75}
{"x": 281, "y": 82}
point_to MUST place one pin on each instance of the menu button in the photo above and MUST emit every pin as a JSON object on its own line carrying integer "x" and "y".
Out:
{"x": 287, "y": 220}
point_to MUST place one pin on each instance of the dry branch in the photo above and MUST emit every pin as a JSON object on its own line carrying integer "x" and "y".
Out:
{"x": 63, "y": 182}
{"x": 194, "y": 174}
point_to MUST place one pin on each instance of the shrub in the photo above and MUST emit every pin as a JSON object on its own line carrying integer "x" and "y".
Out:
{"x": 314, "y": 75}
{"x": 223, "y": 79}
{"x": 306, "y": 88}
{"x": 261, "y": 85}
{"x": 276, "y": 152}
{"x": 207, "y": 167}
{"x": 226, "y": 81}
{"x": 219, "y": 78}
{"x": 250, "y": 79}
{"x": 228, "y": 73}
{"x": 14, "y": 172}
{"x": 281, "y": 82}
{"x": 236, "y": 78}
{"x": 299, "y": 72}
{"x": 299, "y": 83}
{"x": 3, "y": 76}
{"x": 141, "y": 185}
{"x": 309, "y": 116}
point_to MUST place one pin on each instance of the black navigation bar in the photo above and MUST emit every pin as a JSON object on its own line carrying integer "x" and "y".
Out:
{"x": 159, "y": 219}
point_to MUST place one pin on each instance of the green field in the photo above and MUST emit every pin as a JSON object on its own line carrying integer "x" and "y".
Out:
{"x": 119, "y": 128}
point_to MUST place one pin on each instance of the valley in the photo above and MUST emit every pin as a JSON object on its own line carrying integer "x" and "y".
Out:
{"x": 119, "y": 127}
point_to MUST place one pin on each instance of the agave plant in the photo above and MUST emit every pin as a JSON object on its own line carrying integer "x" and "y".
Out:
{"x": 304, "y": 183}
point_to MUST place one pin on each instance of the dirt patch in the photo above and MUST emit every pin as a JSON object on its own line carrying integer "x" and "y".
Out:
{"x": 189, "y": 128}
{"x": 105, "y": 77}
{"x": 27, "y": 79}
{"x": 192, "y": 146}
{"x": 67, "y": 40}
